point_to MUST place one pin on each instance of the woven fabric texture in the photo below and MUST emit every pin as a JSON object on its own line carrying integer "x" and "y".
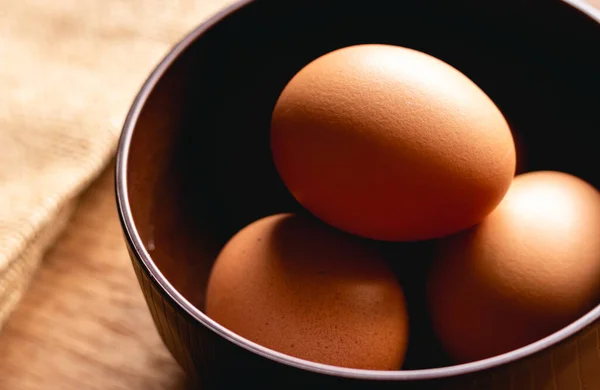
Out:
{"x": 69, "y": 70}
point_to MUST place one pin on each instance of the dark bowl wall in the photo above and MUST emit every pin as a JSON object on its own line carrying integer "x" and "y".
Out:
{"x": 199, "y": 166}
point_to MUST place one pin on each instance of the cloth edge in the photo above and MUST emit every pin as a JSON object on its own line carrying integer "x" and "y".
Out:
{"x": 22, "y": 269}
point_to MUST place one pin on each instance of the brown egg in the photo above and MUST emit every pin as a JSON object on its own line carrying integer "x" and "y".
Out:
{"x": 391, "y": 144}
{"x": 529, "y": 269}
{"x": 299, "y": 287}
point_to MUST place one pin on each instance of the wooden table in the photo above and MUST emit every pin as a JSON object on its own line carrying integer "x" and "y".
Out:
{"x": 84, "y": 324}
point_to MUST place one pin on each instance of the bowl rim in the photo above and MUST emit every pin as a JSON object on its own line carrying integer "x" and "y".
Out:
{"x": 182, "y": 304}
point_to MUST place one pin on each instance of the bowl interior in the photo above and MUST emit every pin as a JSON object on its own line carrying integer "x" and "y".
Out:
{"x": 199, "y": 166}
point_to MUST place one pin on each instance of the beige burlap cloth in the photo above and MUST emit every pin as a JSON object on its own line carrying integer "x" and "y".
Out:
{"x": 69, "y": 70}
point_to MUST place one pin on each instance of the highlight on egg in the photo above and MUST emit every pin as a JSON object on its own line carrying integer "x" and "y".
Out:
{"x": 529, "y": 269}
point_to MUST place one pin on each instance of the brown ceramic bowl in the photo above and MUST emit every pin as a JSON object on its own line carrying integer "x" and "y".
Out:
{"x": 194, "y": 166}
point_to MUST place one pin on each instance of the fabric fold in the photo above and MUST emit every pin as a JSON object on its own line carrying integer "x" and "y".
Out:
{"x": 69, "y": 70}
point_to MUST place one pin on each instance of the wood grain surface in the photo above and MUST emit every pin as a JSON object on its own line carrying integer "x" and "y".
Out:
{"x": 84, "y": 323}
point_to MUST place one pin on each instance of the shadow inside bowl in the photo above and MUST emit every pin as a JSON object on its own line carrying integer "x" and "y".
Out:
{"x": 200, "y": 166}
